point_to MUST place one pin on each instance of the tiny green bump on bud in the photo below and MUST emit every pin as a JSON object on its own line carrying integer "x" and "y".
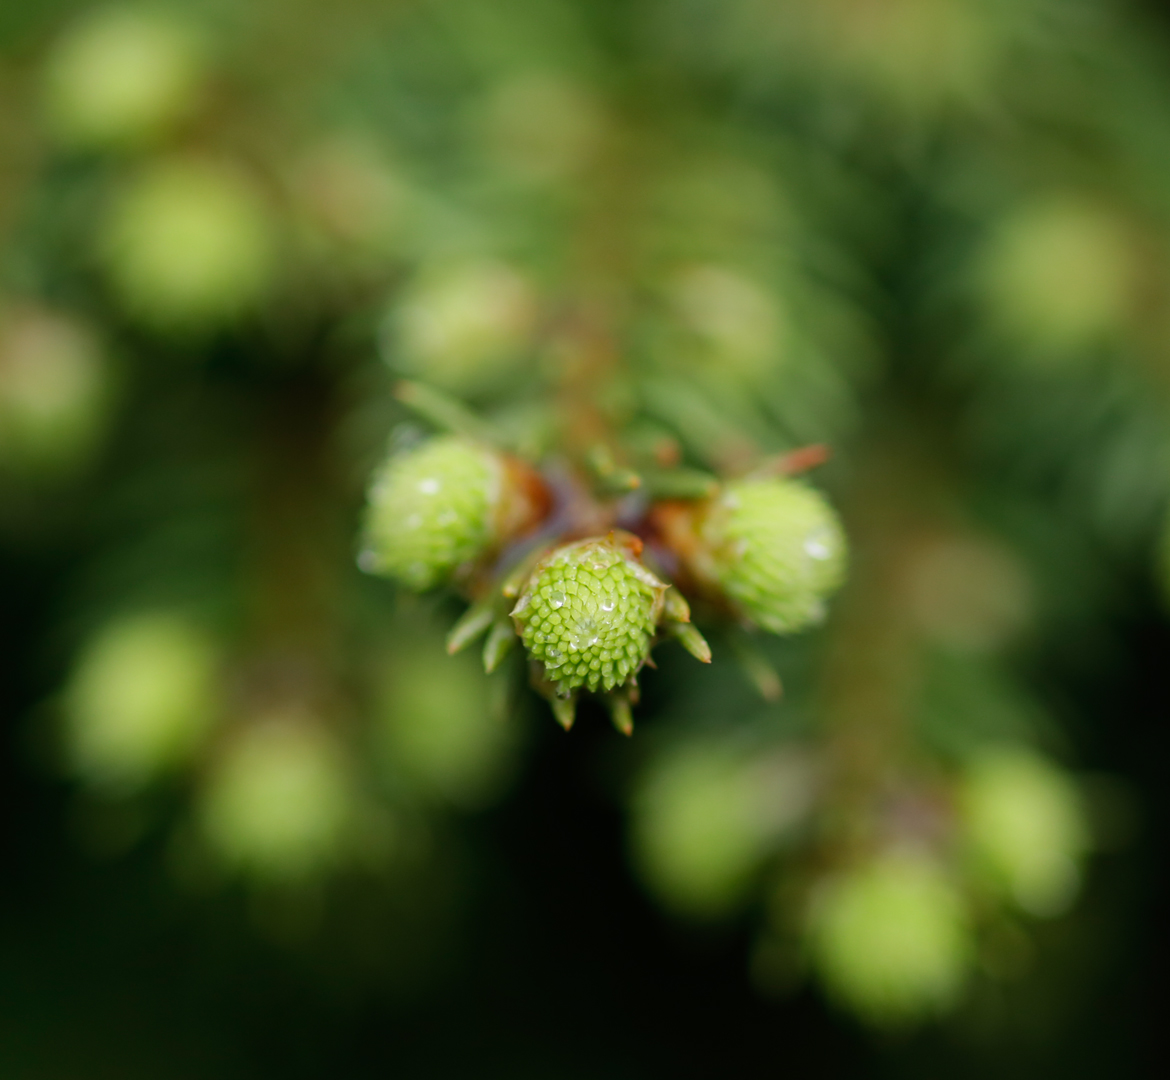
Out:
{"x": 431, "y": 510}
{"x": 777, "y": 550}
{"x": 588, "y": 614}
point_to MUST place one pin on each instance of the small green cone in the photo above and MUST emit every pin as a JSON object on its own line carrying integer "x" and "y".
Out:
{"x": 431, "y": 510}
{"x": 777, "y": 550}
{"x": 588, "y": 615}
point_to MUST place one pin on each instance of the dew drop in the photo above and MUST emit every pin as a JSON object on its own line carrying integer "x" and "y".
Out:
{"x": 819, "y": 544}
{"x": 556, "y": 598}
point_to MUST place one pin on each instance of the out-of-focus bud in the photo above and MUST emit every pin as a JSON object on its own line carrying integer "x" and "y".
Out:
{"x": 437, "y": 727}
{"x": 141, "y": 700}
{"x": 1024, "y": 823}
{"x": 913, "y": 54}
{"x": 189, "y": 244}
{"x": 890, "y": 939}
{"x": 443, "y": 505}
{"x": 280, "y": 803}
{"x": 715, "y": 207}
{"x": 1059, "y": 276}
{"x": 968, "y": 593}
{"x": 465, "y": 327}
{"x": 737, "y": 322}
{"x": 704, "y": 820}
{"x": 55, "y": 390}
{"x": 541, "y": 126}
{"x": 122, "y": 76}
{"x": 773, "y": 547}
{"x": 349, "y": 196}
{"x": 588, "y": 614}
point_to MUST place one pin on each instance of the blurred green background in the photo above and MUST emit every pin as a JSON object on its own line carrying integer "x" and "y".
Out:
{"x": 257, "y": 823}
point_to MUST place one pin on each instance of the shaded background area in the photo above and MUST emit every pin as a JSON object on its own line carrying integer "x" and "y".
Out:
{"x": 561, "y": 967}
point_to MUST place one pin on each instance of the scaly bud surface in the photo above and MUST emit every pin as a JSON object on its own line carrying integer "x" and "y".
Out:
{"x": 431, "y": 510}
{"x": 588, "y": 614}
{"x": 777, "y": 550}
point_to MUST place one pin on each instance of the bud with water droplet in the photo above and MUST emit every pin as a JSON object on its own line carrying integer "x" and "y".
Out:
{"x": 120, "y": 77}
{"x": 1024, "y": 824}
{"x": 774, "y": 548}
{"x": 442, "y": 506}
{"x": 141, "y": 699}
{"x": 589, "y": 613}
{"x": 891, "y": 939}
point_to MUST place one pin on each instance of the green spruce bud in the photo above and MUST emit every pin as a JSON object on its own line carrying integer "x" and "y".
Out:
{"x": 55, "y": 391}
{"x": 1025, "y": 827}
{"x": 438, "y": 725}
{"x": 777, "y": 550}
{"x": 1060, "y": 276}
{"x": 890, "y": 939}
{"x": 280, "y": 802}
{"x": 589, "y": 613}
{"x": 189, "y": 244}
{"x": 120, "y": 77}
{"x": 431, "y": 510}
{"x": 701, "y": 829}
{"x": 141, "y": 700}
{"x": 464, "y": 327}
